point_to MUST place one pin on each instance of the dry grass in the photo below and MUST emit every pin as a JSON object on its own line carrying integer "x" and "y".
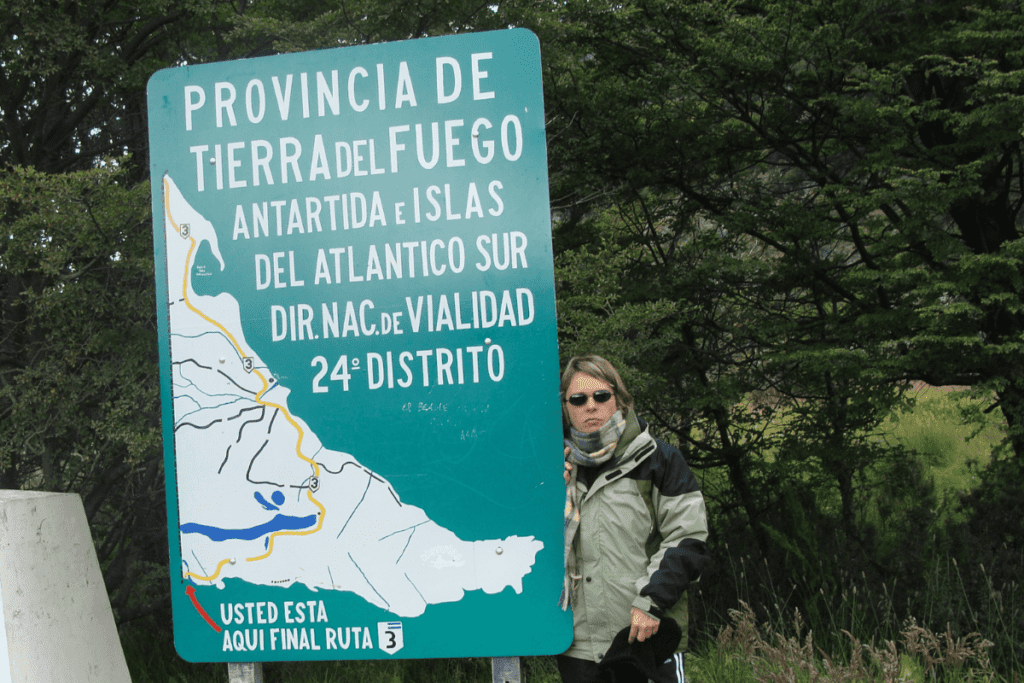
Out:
{"x": 775, "y": 657}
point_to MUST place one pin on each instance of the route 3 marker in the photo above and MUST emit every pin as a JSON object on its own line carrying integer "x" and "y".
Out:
{"x": 389, "y": 636}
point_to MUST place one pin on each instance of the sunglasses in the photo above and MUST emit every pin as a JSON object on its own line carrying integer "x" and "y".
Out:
{"x": 600, "y": 396}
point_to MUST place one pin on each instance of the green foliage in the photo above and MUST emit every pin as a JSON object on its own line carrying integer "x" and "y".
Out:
{"x": 73, "y": 76}
{"x": 855, "y": 171}
{"x": 280, "y": 26}
{"x": 770, "y": 215}
{"x": 79, "y": 407}
{"x": 849, "y": 141}
{"x": 78, "y": 377}
{"x": 923, "y": 555}
{"x": 952, "y": 434}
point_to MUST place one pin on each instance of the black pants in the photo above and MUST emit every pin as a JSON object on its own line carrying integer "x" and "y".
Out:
{"x": 574, "y": 670}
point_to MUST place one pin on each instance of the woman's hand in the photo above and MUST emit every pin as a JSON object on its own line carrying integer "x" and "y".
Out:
{"x": 641, "y": 626}
{"x": 568, "y": 467}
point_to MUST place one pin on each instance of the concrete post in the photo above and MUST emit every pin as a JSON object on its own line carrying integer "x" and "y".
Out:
{"x": 55, "y": 617}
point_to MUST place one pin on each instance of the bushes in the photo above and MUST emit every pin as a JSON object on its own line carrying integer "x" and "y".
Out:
{"x": 744, "y": 651}
{"x": 937, "y": 540}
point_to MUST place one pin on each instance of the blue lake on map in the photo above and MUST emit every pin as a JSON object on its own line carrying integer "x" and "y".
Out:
{"x": 278, "y": 523}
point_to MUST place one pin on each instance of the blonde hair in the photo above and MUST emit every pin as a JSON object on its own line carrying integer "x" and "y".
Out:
{"x": 599, "y": 368}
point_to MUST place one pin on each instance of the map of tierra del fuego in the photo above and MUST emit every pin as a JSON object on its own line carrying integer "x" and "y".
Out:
{"x": 261, "y": 499}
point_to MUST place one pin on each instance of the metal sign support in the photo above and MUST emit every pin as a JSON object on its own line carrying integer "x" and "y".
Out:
{"x": 247, "y": 672}
{"x": 505, "y": 670}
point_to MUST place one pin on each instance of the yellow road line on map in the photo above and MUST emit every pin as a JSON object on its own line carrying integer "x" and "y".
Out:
{"x": 213, "y": 576}
{"x": 270, "y": 546}
{"x": 258, "y": 399}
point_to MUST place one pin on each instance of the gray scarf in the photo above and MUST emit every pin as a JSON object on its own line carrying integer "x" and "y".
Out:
{"x": 589, "y": 449}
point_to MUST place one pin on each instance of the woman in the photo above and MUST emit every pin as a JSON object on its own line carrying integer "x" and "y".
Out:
{"x": 636, "y": 525}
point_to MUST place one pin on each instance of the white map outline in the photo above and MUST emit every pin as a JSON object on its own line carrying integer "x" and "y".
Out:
{"x": 234, "y": 438}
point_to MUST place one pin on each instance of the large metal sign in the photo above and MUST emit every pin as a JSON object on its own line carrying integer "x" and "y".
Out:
{"x": 358, "y": 353}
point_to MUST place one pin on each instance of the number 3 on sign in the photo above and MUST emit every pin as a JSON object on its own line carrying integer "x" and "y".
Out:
{"x": 389, "y": 636}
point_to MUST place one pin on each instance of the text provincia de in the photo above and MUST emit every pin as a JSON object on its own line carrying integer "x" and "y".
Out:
{"x": 264, "y": 162}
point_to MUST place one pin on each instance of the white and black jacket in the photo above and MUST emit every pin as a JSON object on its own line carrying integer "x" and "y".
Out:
{"x": 641, "y": 542}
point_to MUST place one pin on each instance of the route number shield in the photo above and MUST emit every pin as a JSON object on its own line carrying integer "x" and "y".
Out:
{"x": 389, "y": 636}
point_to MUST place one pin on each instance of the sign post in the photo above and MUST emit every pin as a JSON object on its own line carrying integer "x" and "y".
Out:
{"x": 505, "y": 670}
{"x": 359, "y": 365}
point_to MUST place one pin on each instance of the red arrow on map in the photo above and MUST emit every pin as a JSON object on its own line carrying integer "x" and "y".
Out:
{"x": 199, "y": 608}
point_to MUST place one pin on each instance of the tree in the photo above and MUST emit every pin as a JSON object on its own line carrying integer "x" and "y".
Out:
{"x": 869, "y": 158}
{"x": 79, "y": 408}
{"x": 875, "y": 149}
{"x": 78, "y": 378}
{"x": 288, "y": 26}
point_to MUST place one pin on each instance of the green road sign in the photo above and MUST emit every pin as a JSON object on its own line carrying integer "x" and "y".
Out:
{"x": 359, "y": 357}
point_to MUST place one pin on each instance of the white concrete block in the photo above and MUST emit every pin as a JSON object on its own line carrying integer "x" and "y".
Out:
{"x": 56, "y": 621}
{"x": 5, "y": 659}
